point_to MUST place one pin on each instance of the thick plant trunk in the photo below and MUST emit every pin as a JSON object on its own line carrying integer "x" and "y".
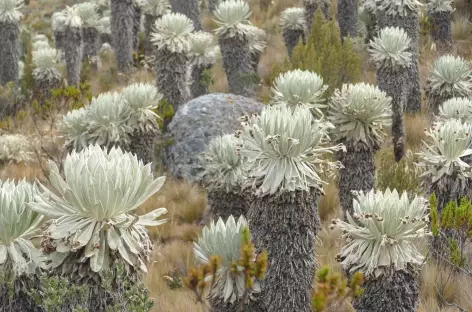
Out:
{"x": 143, "y": 146}
{"x": 73, "y": 52}
{"x": 310, "y": 9}
{"x": 358, "y": 173}
{"x": 292, "y": 37}
{"x": 397, "y": 291}
{"x": 59, "y": 40}
{"x": 91, "y": 42}
{"x": 447, "y": 189}
{"x": 199, "y": 88}
{"x": 255, "y": 59}
{"x": 435, "y": 101}
{"x": 441, "y": 30}
{"x": 212, "y": 5}
{"x": 237, "y": 65}
{"x": 410, "y": 23}
{"x": 172, "y": 78}
{"x": 9, "y": 52}
{"x": 347, "y": 15}
{"x": 122, "y": 22}
{"x": 105, "y": 38}
{"x": 394, "y": 82}
{"x": 286, "y": 225}
{"x": 21, "y": 300}
{"x": 149, "y": 21}
{"x": 136, "y": 27}
{"x": 190, "y": 8}
{"x": 223, "y": 204}
{"x": 44, "y": 86}
{"x": 220, "y": 306}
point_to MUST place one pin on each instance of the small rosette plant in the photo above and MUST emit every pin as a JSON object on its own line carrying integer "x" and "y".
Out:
{"x": 360, "y": 112}
{"x": 171, "y": 33}
{"x": 293, "y": 19}
{"x": 447, "y": 142}
{"x": 225, "y": 240}
{"x": 232, "y": 16}
{"x": 10, "y": 11}
{"x": 48, "y": 64}
{"x": 284, "y": 150}
{"x": 390, "y": 48}
{"x": 92, "y": 209}
{"x": 383, "y": 232}
{"x": 300, "y": 87}
{"x": 203, "y": 49}
{"x": 156, "y": 7}
{"x": 450, "y": 76}
{"x": 15, "y": 148}
{"x": 18, "y": 224}
{"x": 459, "y": 108}
{"x": 397, "y": 7}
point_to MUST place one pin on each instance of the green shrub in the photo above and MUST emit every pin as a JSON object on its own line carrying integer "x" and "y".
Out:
{"x": 325, "y": 54}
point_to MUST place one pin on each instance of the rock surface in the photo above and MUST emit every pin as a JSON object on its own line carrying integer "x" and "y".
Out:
{"x": 196, "y": 123}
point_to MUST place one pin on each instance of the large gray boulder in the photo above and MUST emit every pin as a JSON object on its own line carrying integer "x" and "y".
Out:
{"x": 196, "y": 123}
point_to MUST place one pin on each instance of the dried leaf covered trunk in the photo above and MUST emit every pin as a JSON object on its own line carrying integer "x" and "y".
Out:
{"x": 397, "y": 291}
{"x": 59, "y": 39}
{"x": 198, "y": 88}
{"x": 44, "y": 86}
{"x": 292, "y": 37}
{"x": 410, "y": 23}
{"x": 122, "y": 23}
{"x": 347, "y": 16}
{"x": 136, "y": 26}
{"x": 21, "y": 300}
{"x": 435, "y": 101}
{"x": 395, "y": 82}
{"x": 143, "y": 146}
{"x": 73, "y": 52}
{"x": 237, "y": 65}
{"x": 190, "y": 8}
{"x": 149, "y": 21}
{"x": 311, "y": 6}
{"x": 441, "y": 30}
{"x": 9, "y": 52}
{"x": 222, "y": 204}
{"x": 91, "y": 42}
{"x": 286, "y": 225}
{"x": 358, "y": 172}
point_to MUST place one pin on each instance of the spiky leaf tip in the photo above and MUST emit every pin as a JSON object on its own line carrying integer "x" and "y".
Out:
{"x": 439, "y": 6}
{"x": 203, "y": 49}
{"x": 92, "y": 205}
{"x": 15, "y": 148}
{"x": 284, "y": 150}
{"x": 383, "y": 232}
{"x": 142, "y": 99}
{"x": 442, "y": 152}
{"x": 10, "y": 11}
{"x": 456, "y": 108}
{"x": 171, "y": 32}
{"x": 18, "y": 225}
{"x": 156, "y": 7}
{"x": 300, "y": 87}
{"x": 48, "y": 64}
{"x": 222, "y": 164}
{"x": 231, "y": 16}
{"x": 390, "y": 48}
{"x": 359, "y": 113}
{"x": 450, "y": 76}
{"x": 398, "y": 7}
{"x": 224, "y": 239}
{"x": 293, "y": 19}
{"x": 74, "y": 126}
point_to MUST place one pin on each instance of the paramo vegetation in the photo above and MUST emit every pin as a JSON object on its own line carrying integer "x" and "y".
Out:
{"x": 336, "y": 176}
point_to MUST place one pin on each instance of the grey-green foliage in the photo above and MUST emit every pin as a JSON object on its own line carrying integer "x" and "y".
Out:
{"x": 122, "y": 21}
{"x": 10, "y": 16}
{"x": 257, "y": 40}
{"x": 15, "y": 148}
{"x": 294, "y": 26}
{"x": 153, "y": 10}
{"x": 88, "y": 12}
{"x": 232, "y": 18}
{"x": 456, "y": 108}
{"x": 48, "y": 69}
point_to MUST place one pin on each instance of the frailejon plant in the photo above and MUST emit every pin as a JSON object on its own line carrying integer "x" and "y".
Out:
{"x": 104, "y": 28}
{"x": 172, "y": 46}
{"x": 293, "y": 23}
{"x": 443, "y": 158}
{"x": 58, "y": 29}
{"x": 10, "y": 16}
{"x": 459, "y": 108}
{"x": 38, "y": 45}
{"x": 122, "y": 22}
{"x": 450, "y": 76}
{"x": 232, "y": 17}
{"x": 366, "y": 19}
{"x": 223, "y": 177}
{"x": 390, "y": 53}
{"x": 381, "y": 235}
{"x": 189, "y": 8}
{"x": 203, "y": 55}
{"x": 257, "y": 44}
{"x": 311, "y": 6}
{"x": 153, "y": 10}
{"x": 359, "y": 113}
{"x": 48, "y": 70}
{"x": 73, "y": 44}
{"x": 300, "y": 88}
{"x": 74, "y": 126}
{"x": 19, "y": 259}
{"x": 88, "y": 12}
{"x": 284, "y": 151}
{"x": 405, "y": 15}
{"x": 440, "y": 13}
{"x": 94, "y": 225}
{"x": 347, "y": 16}
{"x": 225, "y": 239}
{"x": 15, "y": 148}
